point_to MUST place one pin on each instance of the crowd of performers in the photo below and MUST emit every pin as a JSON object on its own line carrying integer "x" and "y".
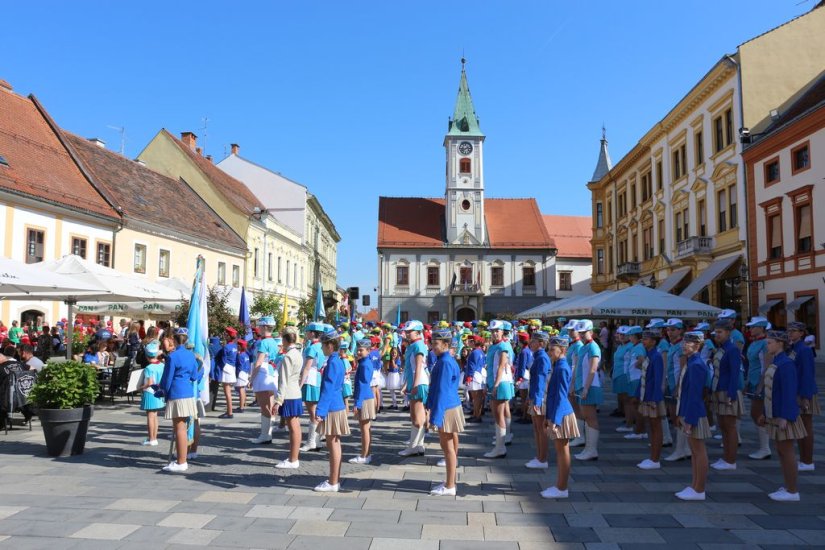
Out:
{"x": 665, "y": 374}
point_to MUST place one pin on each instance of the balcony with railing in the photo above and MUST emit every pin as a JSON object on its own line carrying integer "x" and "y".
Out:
{"x": 460, "y": 289}
{"x": 694, "y": 246}
{"x": 629, "y": 270}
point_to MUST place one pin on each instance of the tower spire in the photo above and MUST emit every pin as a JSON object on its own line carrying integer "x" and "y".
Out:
{"x": 604, "y": 165}
{"x": 464, "y": 121}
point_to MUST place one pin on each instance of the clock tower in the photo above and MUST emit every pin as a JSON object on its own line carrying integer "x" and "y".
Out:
{"x": 464, "y": 198}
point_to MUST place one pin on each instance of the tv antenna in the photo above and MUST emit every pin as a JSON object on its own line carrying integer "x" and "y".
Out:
{"x": 122, "y": 131}
{"x": 205, "y": 121}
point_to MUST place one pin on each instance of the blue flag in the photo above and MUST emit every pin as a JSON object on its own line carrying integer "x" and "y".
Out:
{"x": 319, "y": 314}
{"x": 243, "y": 316}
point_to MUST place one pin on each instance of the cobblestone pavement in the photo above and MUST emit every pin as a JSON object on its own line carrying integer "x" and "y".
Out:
{"x": 114, "y": 496}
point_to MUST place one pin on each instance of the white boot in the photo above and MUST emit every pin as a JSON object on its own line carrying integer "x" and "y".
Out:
{"x": 682, "y": 450}
{"x": 266, "y": 431}
{"x": 415, "y": 446}
{"x": 312, "y": 438}
{"x": 578, "y": 441}
{"x": 591, "y": 445}
{"x": 667, "y": 438}
{"x": 508, "y": 431}
{"x": 499, "y": 450}
{"x": 764, "y": 450}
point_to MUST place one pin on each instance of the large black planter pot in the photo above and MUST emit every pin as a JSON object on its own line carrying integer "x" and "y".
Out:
{"x": 65, "y": 429}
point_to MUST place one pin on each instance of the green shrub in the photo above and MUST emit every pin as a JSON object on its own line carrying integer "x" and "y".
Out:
{"x": 68, "y": 385}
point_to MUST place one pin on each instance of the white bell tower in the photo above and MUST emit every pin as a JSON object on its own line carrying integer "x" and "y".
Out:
{"x": 464, "y": 196}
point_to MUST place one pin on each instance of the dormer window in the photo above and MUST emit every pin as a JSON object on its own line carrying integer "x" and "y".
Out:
{"x": 465, "y": 166}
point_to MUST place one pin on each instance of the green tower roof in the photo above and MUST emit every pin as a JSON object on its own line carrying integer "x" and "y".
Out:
{"x": 464, "y": 121}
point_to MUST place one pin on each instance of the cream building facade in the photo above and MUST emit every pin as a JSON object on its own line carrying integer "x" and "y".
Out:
{"x": 308, "y": 241}
{"x": 671, "y": 213}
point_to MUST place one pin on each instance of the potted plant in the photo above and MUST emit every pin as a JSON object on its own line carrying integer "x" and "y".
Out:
{"x": 63, "y": 395}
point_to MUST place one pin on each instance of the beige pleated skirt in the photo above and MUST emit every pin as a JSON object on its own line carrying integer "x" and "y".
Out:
{"x": 453, "y": 421}
{"x": 793, "y": 430}
{"x": 568, "y": 429}
{"x": 334, "y": 424}
{"x": 700, "y": 430}
{"x": 181, "y": 408}
{"x": 814, "y": 407}
{"x": 721, "y": 406}
{"x": 650, "y": 409}
{"x": 367, "y": 410}
{"x": 543, "y": 413}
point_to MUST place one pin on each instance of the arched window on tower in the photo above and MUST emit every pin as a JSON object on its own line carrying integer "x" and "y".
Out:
{"x": 464, "y": 166}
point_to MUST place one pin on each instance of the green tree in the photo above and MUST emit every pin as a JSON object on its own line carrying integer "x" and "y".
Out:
{"x": 268, "y": 304}
{"x": 306, "y": 309}
{"x": 217, "y": 310}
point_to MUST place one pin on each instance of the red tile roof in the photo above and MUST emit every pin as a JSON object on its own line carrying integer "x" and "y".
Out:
{"x": 235, "y": 191}
{"x": 572, "y": 235}
{"x": 418, "y": 222}
{"x": 150, "y": 198}
{"x": 39, "y": 165}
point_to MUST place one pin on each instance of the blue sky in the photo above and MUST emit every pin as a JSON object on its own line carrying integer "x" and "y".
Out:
{"x": 352, "y": 98}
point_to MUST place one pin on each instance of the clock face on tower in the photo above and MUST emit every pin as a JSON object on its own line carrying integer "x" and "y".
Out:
{"x": 465, "y": 147}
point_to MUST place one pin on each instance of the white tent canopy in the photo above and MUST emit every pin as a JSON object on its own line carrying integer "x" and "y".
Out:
{"x": 550, "y": 308}
{"x": 179, "y": 285}
{"x": 113, "y": 286}
{"x": 636, "y": 301}
{"x": 26, "y": 280}
{"x": 116, "y": 286}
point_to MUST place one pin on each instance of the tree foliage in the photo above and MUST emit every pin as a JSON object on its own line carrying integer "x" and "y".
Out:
{"x": 268, "y": 304}
{"x": 218, "y": 312}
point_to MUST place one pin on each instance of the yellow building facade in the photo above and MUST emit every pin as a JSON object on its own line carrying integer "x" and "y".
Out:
{"x": 672, "y": 212}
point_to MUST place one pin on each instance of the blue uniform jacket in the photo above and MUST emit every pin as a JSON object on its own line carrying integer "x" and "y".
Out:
{"x": 444, "y": 380}
{"x": 523, "y": 362}
{"x": 431, "y": 359}
{"x": 252, "y": 349}
{"x": 475, "y": 362}
{"x": 653, "y": 377}
{"x": 230, "y": 353}
{"x": 215, "y": 366}
{"x": 785, "y": 386}
{"x": 179, "y": 372}
{"x": 332, "y": 386}
{"x": 805, "y": 374}
{"x": 243, "y": 364}
{"x": 539, "y": 371}
{"x": 363, "y": 377}
{"x": 730, "y": 368}
{"x": 691, "y": 396}
{"x": 558, "y": 405}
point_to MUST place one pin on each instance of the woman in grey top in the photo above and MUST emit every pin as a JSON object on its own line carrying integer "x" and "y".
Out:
{"x": 289, "y": 399}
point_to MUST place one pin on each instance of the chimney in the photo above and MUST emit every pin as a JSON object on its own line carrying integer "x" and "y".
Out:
{"x": 189, "y": 139}
{"x": 99, "y": 142}
{"x": 5, "y": 85}
{"x": 235, "y": 148}
{"x": 209, "y": 158}
{"x": 199, "y": 151}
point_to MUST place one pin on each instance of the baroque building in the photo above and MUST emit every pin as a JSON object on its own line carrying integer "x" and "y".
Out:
{"x": 672, "y": 212}
{"x": 464, "y": 256}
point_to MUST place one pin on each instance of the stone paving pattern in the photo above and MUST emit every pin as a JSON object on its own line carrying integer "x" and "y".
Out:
{"x": 115, "y": 496}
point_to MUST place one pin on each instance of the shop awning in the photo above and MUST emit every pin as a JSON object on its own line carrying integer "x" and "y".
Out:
{"x": 767, "y": 306}
{"x": 710, "y": 274}
{"x": 673, "y": 279}
{"x": 793, "y": 306}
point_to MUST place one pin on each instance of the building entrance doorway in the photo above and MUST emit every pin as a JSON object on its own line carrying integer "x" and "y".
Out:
{"x": 465, "y": 314}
